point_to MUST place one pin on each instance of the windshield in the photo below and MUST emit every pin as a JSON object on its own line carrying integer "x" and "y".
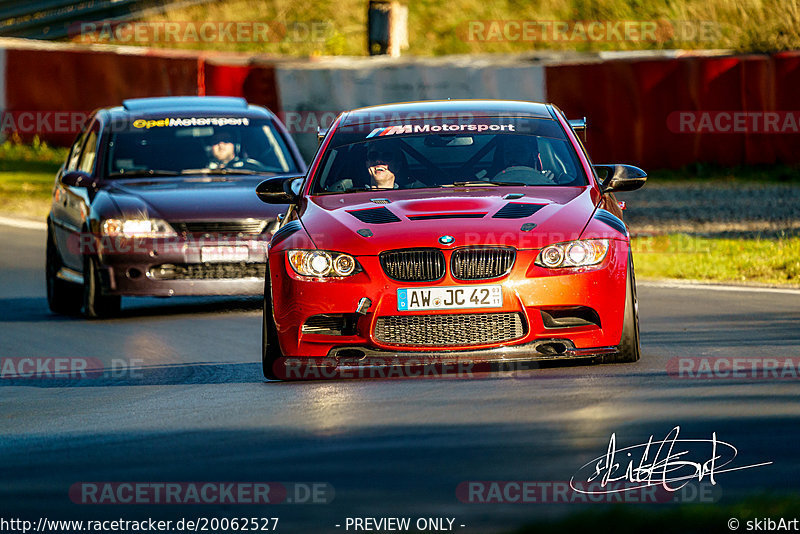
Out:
{"x": 523, "y": 152}
{"x": 219, "y": 145}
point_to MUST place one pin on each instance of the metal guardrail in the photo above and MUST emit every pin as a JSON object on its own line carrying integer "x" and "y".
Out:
{"x": 55, "y": 19}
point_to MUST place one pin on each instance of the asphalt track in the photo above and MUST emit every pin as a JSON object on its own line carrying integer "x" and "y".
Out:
{"x": 198, "y": 409}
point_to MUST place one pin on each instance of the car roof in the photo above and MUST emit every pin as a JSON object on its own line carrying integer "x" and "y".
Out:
{"x": 181, "y": 106}
{"x": 223, "y": 103}
{"x": 436, "y": 108}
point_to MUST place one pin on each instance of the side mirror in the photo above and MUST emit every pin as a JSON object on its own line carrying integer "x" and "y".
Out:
{"x": 620, "y": 177}
{"x": 579, "y": 125}
{"x": 78, "y": 179}
{"x": 280, "y": 190}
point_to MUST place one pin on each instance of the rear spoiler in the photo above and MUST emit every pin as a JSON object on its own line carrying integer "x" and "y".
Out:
{"x": 579, "y": 125}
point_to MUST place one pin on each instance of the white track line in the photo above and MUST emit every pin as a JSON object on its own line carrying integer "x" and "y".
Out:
{"x": 679, "y": 284}
{"x": 23, "y": 223}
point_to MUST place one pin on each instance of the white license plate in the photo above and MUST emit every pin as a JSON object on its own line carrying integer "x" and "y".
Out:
{"x": 447, "y": 298}
{"x": 224, "y": 254}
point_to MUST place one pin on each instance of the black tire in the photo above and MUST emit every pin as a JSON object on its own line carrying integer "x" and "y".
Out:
{"x": 629, "y": 349}
{"x": 95, "y": 304}
{"x": 270, "y": 348}
{"x": 62, "y": 297}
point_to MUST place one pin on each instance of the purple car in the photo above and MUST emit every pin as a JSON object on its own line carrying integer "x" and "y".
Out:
{"x": 156, "y": 199}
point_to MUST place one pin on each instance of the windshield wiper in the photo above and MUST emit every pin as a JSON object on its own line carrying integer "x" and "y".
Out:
{"x": 352, "y": 189}
{"x": 356, "y": 189}
{"x": 223, "y": 171}
{"x": 150, "y": 172}
{"x": 481, "y": 184}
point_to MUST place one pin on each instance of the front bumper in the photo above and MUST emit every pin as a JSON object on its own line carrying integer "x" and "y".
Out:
{"x": 528, "y": 291}
{"x": 174, "y": 266}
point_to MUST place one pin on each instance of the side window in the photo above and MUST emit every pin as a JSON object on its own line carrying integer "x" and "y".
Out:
{"x": 75, "y": 152}
{"x": 89, "y": 152}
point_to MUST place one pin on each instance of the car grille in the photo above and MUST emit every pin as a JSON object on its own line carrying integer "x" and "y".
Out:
{"x": 208, "y": 271}
{"x": 413, "y": 265}
{"x": 450, "y": 329}
{"x": 248, "y": 226}
{"x": 481, "y": 263}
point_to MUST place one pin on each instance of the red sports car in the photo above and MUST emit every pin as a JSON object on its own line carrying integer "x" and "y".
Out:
{"x": 470, "y": 230}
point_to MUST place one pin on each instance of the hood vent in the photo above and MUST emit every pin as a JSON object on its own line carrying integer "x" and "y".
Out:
{"x": 517, "y": 210}
{"x": 375, "y": 215}
{"x": 431, "y": 216}
{"x": 380, "y": 201}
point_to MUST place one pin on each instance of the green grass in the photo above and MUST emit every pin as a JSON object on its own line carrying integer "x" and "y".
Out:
{"x": 439, "y": 28}
{"x": 26, "y": 176}
{"x": 765, "y": 261}
{"x": 676, "y": 519}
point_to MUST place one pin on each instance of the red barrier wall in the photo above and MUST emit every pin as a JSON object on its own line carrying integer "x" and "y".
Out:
{"x": 256, "y": 83}
{"x": 81, "y": 81}
{"x": 44, "y": 80}
{"x": 785, "y": 96}
{"x": 635, "y": 108}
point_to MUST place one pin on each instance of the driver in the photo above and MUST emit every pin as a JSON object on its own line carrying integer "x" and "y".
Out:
{"x": 519, "y": 153}
{"x": 224, "y": 154}
{"x": 386, "y": 169}
{"x": 519, "y": 161}
{"x": 383, "y": 166}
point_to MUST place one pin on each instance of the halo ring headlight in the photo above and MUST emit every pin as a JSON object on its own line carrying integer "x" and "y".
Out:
{"x": 322, "y": 263}
{"x": 318, "y": 263}
{"x": 344, "y": 265}
{"x": 580, "y": 253}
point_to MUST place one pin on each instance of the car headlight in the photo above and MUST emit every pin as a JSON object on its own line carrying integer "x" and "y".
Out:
{"x": 321, "y": 263}
{"x": 137, "y": 228}
{"x": 573, "y": 254}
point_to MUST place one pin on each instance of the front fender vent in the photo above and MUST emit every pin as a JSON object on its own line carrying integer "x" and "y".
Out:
{"x": 285, "y": 231}
{"x": 375, "y": 215}
{"x": 611, "y": 220}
